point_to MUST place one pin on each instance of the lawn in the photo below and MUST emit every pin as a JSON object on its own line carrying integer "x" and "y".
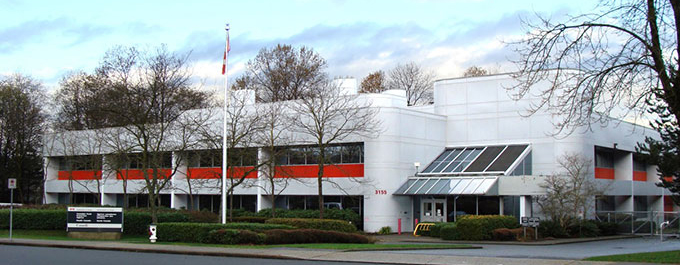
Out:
{"x": 61, "y": 235}
{"x": 650, "y": 257}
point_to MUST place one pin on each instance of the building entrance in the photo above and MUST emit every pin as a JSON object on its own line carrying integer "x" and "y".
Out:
{"x": 433, "y": 210}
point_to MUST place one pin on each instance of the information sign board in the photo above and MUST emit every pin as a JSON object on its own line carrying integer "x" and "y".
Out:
{"x": 94, "y": 219}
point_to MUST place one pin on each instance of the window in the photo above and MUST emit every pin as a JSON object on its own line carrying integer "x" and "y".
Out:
{"x": 213, "y": 158}
{"x": 476, "y": 160}
{"x": 639, "y": 164}
{"x": 604, "y": 157}
{"x": 88, "y": 162}
{"x": 524, "y": 167}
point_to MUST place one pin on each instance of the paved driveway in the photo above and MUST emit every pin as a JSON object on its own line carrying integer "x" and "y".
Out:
{"x": 564, "y": 251}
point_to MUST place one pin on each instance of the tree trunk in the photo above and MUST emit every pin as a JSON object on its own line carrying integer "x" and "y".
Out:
{"x": 320, "y": 184}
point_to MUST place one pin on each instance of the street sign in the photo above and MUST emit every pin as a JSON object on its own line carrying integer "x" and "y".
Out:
{"x": 11, "y": 183}
{"x": 531, "y": 221}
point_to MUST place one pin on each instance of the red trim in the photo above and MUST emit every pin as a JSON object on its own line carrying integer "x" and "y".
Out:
{"x": 604, "y": 173}
{"x": 667, "y": 204}
{"x": 312, "y": 171}
{"x": 640, "y": 175}
{"x": 139, "y": 174}
{"x": 668, "y": 179}
{"x": 216, "y": 172}
{"x": 79, "y": 174}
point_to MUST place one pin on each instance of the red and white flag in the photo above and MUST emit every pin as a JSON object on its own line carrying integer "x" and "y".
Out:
{"x": 226, "y": 51}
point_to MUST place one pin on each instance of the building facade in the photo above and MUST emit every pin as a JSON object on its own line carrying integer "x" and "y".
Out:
{"x": 473, "y": 151}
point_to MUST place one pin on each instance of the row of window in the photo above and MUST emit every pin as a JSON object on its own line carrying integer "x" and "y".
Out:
{"x": 213, "y": 157}
{"x": 352, "y": 153}
{"x": 606, "y": 157}
{"x": 336, "y": 154}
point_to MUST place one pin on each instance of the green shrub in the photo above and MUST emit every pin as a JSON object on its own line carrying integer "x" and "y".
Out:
{"x": 242, "y": 212}
{"x": 201, "y": 216}
{"x": 137, "y": 222}
{"x": 198, "y": 232}
{"x": 480, "y": 227}
{"x": 320, "y": 224}
{"x": 34, "y": 219}
{"x": 449, "y": 232}
{"x": 385, "y": 230}
{"x": 551, "y": 228}
{"x": 435, "y": 230}
{"x": 305, "y": 236}
{"x": 249, "y": 219}
{"x": 234, "y": 236}
{"x": 584, "y": 228}
{"x": 607, "y": 228}
{"x": 336, "y": 214}
{"x": 222, "y": 236}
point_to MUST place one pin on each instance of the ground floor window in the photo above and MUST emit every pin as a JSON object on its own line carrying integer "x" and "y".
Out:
{"x": 450, "y": 208}
{"x": 78, "y": 198}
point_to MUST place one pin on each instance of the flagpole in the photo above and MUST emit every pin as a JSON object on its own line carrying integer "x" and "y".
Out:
{"x": 224, "y": 128}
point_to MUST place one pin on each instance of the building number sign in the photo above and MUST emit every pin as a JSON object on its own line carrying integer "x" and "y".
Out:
{"x": 381, "y": 192}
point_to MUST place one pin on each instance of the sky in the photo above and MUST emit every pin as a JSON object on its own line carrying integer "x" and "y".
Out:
{"x": 48, "y": 39}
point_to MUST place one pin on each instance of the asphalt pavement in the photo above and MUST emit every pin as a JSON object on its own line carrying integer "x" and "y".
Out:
{"x": 515, "y": 253}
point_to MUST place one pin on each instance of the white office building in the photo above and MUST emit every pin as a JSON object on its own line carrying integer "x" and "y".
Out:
{"x": 473, "y": 151}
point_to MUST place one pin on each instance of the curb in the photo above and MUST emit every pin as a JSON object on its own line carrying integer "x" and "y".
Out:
{"x": 143, "y": 250}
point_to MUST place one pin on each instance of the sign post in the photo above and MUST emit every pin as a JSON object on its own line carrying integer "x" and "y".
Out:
{"x": 530, "y": 222}
{"x": 11, "y": 184}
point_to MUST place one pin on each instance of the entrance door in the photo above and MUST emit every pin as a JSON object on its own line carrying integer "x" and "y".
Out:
{"x": 433, "y": 210}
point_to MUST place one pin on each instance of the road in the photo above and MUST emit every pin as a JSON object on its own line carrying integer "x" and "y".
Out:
{"x": 574, "y": 251}
{"x": 16, "y": 255}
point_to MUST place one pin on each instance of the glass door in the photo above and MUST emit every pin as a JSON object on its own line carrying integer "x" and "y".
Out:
{"x": 433, "y": 210}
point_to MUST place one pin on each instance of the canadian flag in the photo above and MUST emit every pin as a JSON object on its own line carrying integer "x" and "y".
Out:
{"x": 226, "y": 51}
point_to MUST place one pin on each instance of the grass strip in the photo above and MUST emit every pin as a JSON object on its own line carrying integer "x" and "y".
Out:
{"x": 649, "y": 257}
{"x": 61, "y": 235}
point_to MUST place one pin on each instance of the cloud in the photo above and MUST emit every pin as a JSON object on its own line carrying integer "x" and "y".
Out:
{"x": 363, "y": 47}
{"x": 17, "y": 37}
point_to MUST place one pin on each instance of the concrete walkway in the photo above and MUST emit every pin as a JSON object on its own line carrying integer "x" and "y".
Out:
{"x": 290, "y": 253}
{"x": 409, "y": 238}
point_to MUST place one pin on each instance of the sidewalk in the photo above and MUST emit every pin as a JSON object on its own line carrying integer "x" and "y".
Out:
{"x": 409, "y": 238}
{"x": 289, "y": 253}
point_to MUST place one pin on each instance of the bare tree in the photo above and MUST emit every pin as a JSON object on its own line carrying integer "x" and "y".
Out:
{"x": 571, "y": 191}
{"x": 284, "y": 73}
{"x": 619, "y": 58}
{"x": 274, "y": 136}
{"x": 332, "y": 117}
{"x": 374, "y": 83}
{"x": 154, "y": 87}
{"x": 417, "y": 82}
{"x": 475, "y": 71}
{"x": 244, "y": 125}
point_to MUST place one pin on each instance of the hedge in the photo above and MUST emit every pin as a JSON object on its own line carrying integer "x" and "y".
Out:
{"x": 34, "y": 219}
{"x": 199, "y": 232}
{"x": 336, "y": 214}
{"x": 234, "y": 236}
{"x": 585, "y": 228}
{"x": 249, "y": 219}
{"x": 449, "y": 232}
{"x": 320, "y": 224}
{"x": 137, "y": 223}
{"x": 435, "y": 230}
{"x": 305, "y": 236}
{"x": 480, "y": 227}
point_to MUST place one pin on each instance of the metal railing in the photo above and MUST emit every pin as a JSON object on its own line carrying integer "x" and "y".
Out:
{"x": 642, "y": 222}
